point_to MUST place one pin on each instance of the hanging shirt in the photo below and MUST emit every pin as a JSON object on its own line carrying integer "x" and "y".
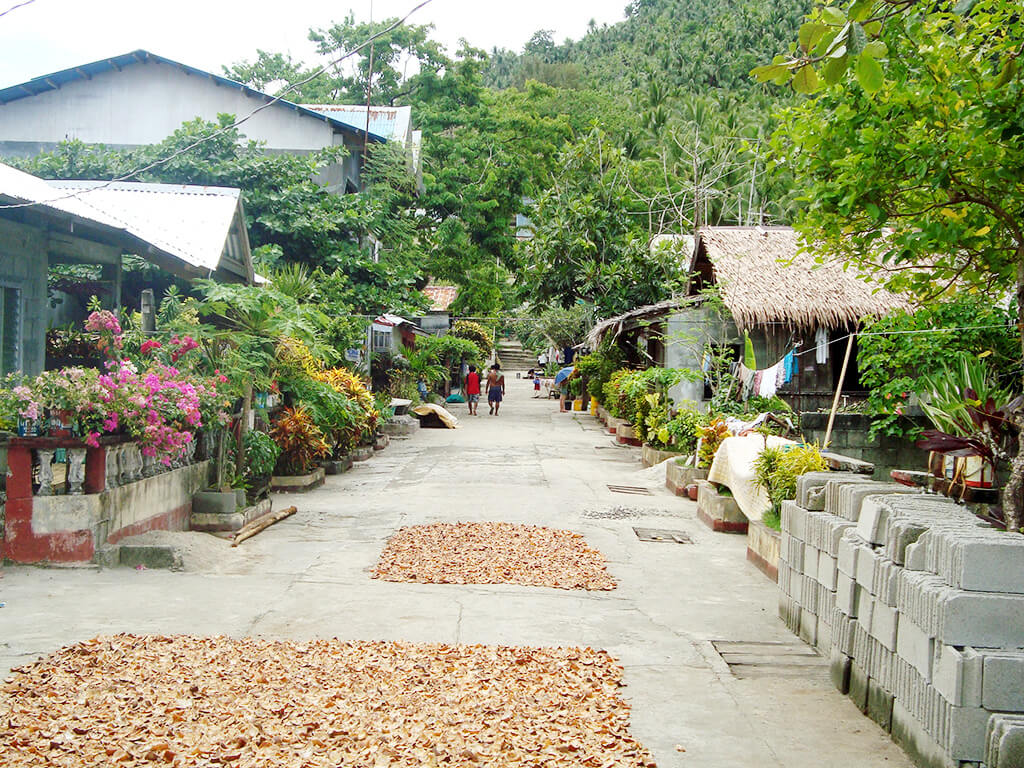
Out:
{"x": 769, "y": 381}
{"x": 791, "y": 366}
{"x": 821, "y": 346}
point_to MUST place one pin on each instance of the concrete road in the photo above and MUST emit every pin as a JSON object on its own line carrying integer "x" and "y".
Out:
{"x": 307, "y": 577}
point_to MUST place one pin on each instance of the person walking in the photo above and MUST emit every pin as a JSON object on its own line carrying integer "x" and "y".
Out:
{"x": 473, "y": 390}
{"x": 495, "y": 388}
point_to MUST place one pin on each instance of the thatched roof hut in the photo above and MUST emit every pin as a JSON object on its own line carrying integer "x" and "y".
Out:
{"x": 766, "y": 276}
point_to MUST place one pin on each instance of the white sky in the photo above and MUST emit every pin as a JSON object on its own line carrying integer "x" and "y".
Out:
{"x": 50, "y": 35}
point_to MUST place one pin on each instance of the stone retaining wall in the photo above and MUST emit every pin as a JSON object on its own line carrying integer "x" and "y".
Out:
{"x": 920, "y": 608}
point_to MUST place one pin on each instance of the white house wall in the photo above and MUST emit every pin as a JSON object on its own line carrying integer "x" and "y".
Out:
{"x": 143, "y": 104}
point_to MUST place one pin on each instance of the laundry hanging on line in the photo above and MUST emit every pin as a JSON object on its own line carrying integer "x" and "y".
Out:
{"x": 821, "y": 346}
{"x": 766, "y": 382}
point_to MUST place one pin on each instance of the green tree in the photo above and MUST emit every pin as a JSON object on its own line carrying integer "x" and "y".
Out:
{"x": 586, "y": 246}
{"x": 917, "y": 168}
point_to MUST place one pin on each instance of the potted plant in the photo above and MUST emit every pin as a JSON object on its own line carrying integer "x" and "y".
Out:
{"x": 261, "y": 454}
{"x": 974, "y": 423}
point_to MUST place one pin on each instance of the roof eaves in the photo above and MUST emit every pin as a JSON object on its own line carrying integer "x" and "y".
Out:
{"x": 54, "y": 80}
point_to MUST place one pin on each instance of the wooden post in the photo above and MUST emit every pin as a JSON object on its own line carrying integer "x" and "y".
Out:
{"x": 839, "y": 389}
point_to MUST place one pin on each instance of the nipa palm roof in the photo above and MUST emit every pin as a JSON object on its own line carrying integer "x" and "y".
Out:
{"x": 766, "y": 275}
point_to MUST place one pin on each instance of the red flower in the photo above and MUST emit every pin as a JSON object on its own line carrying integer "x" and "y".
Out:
{"x": 150, "y": 345}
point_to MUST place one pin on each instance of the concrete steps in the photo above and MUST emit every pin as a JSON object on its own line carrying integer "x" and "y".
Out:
{"x": 514, "y": 358}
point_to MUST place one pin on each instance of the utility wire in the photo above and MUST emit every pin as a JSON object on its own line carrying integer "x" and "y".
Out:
{"x": 16, "y": 7}
{"x": 225, "y": 129}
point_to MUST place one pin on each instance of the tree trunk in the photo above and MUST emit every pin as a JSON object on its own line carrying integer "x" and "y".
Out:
{"x": 1012, "y": 493}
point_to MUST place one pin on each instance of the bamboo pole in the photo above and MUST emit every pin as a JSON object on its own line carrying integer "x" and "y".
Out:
{"x": 250, "y": 530}
{"x": 839, "y": 389}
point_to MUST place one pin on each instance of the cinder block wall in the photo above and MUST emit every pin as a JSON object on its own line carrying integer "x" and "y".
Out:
{"x": 850, "y": 437}
{"x": 23, "y": 265}
{"x": 920, "y": 608}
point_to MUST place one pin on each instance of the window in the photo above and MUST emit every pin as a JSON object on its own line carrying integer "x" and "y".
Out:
{"x": 10, "y": 330}
{"x": 381, "y": 340}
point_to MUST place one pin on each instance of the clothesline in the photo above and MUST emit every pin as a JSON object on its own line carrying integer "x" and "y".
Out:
{"x": 900, "y": 333}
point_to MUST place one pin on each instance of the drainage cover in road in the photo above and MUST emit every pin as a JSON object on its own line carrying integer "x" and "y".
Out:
{"x": 660, "y": 534}
{"x": 636, "y": 490}
{"x": 761, "y": 659}
{"x": 624, "y": 513}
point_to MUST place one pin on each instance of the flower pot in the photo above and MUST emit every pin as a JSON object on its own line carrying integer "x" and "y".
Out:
{"x": 577, "y": 405}
{"x": 61, "y": 423}
{"x": 28, "y": 427}
{"x": 974, "y": 472}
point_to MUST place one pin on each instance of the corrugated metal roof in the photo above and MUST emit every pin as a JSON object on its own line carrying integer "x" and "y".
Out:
{"x": 390, "y": 122}
{"x": 55, "y": 80}
{"x": 20, "y": 187}
{"x": 190, "y": 222}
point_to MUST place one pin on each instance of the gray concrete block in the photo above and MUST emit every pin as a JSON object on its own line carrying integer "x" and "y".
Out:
{"x": 914, "y": 557}
{"x": 909, "y": 733}
{"x": 866, "y": 560}
{"x": 824, "y": 643}
{"x": 879, "y": 705}
{"x": 789, "y": 612}
{"x": 883, "y": 625}
{"x": 865, "y": 606}
{"x": 827, "y": 571}
{"x": 810, "y": 488}
{"x": 915, "y": 646}
{"x": 980, "y": 619}
{"x": 1002, "y": 681}
{"x": 957, "y": 675}
{"x": 851, "y": 496}
{"x": 849, "y": 550}
{"x": 846, "y": 594}
{"x": 808, "y": 627}
{"x": 839, "y": 670}
{"x": 793, "y": 519}
{"x": 834, "y": 491}
{"x": 858, "y": 686}
{"x": 965, "y": 733}
{"x": 989, "y": 561}
{"x": 1004, "y": 741}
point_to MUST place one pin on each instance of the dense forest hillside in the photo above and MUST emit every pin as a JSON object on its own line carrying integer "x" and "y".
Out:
{"x": 652, "y": 126}
{"x": 685, "y": 45}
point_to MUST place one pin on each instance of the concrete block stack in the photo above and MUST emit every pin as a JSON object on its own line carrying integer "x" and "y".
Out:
{"x": 919, "y": 606}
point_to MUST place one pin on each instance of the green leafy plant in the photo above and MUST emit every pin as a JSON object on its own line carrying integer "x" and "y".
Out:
{"x": 300, "y": 440}
{"x": 675, "y": 431}
{"x": 475, "y": 332}
{"x": 711, "y": 436}
{"x": 261, "y": 454}
{"x": 776, "y": 469}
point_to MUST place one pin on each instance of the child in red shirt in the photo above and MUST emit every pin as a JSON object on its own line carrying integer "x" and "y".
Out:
{"x": 473, "y": 390}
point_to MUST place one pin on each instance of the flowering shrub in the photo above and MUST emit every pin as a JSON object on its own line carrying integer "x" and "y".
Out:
{"x": 160, "y": 406}
{"x": 105, "y": 323}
